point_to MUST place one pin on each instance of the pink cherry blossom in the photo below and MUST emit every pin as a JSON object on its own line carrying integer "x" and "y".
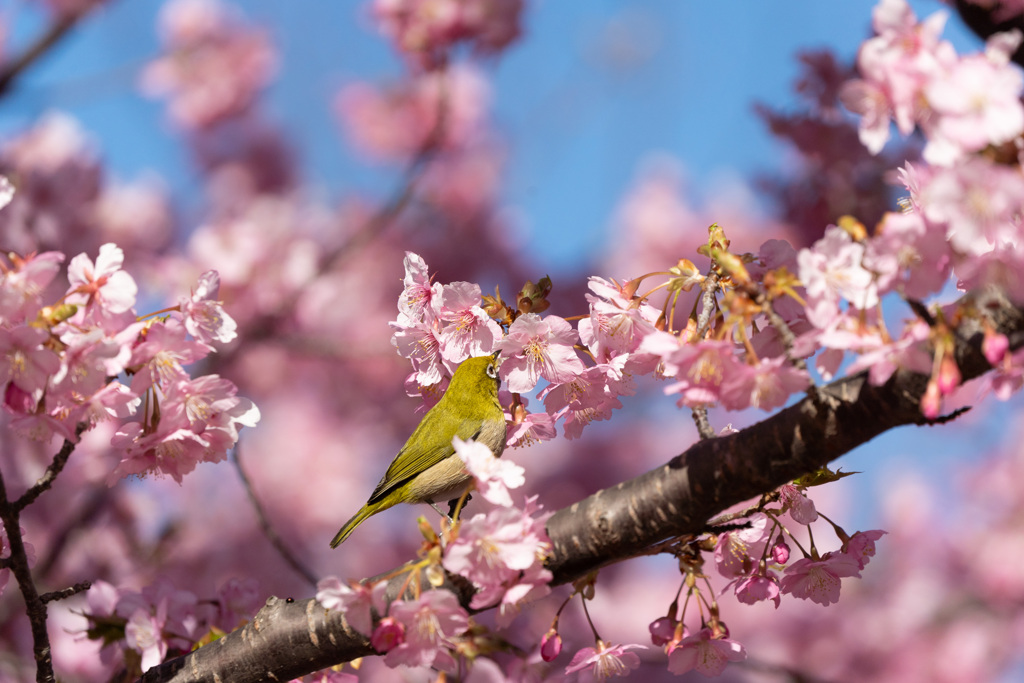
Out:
{"x": 800, "y": 507}
{"x": 425, "y": 31}
{"x": 698, "y": 368}
{"x": 870, "y": 101}
{"x": 493, "y": 476}
{"x": 422, "y": 345}
{"x": 499, "y": 551}
{"x": 896, "y": 65}
{"x": 144, "y": 634}
{"x": 387, "y": 635}
{"x": 528, "y": 428}
{"x": 757, "y": 588}
{"x": 705, "y": 653}
{"x": 831, "y": 271}
{"x": 909, "y": 255}
{"x": 605, "y": 660}
{"x": 977, "y": 202}
{"x": 215, "y": 65}
{"x": 780, "y": 551}
{"x": 538, "y": 347}
{"x": 766, "y": 385}
{"x": 883, "y": 359}
{"x": 861, "y": 545}
{"x": 168, "y": 451}
{"x": 101, "y": 285}
{"x": 975, "y": 103}
{"x": 819, "y": 580}
{"x": 430, "y": 622}
{"x": 737, "y": 552}
{"x": 468, "y": 330}
{"x": 203, "y": 315}
{"x": 394, "y": 123}
{"x": 419, "y": 295}
{"x": 591, "y": 395}
{"x": 22, "y": 285}
{"x": 159, "y": 358}
{"x": 617, "y": 323}
{"x": 24, "y": 360}
{"x": 354, "y": 599}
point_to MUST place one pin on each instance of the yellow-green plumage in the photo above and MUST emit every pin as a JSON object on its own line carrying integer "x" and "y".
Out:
{"x": 426, "y": 469}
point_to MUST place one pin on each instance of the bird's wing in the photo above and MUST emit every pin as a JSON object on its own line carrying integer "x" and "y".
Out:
{"x": 408, "y": 463}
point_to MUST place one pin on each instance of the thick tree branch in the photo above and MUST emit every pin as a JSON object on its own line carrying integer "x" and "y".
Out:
{"x": 287, "y": 639}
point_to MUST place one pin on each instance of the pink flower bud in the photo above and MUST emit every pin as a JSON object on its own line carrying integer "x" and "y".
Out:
{"x": 662, "y": 630}
{"x": 931, "y": 402}
{"x": 550, "y": 645}
{"x": 780, "y": 552}
{"x": 388, "y": 635}
{"x": 949, "y": 376}
{"x": 994, "y": 347}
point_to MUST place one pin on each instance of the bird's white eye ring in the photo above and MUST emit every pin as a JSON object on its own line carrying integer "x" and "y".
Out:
{"x": 492, "y": 372}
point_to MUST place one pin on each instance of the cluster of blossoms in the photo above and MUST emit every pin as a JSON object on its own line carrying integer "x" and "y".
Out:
{"x": 750, "y": 558}
{"x": 500, "y": 552}
{"x": 395, "y": 123}
{"x": 159, "y": 619}
{"x": 962, "y": 217}
{"x": 59, "y": 364}
{"x": 215, "y": 65}
{"x": 912, "y": 77}
{"x": 426, "y": 30}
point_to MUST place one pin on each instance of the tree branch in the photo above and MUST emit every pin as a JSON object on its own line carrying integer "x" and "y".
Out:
{"x": 55, "y": 467}
{"x": 288, "y": 639}
{"x": 35, "y": 608}
{"x": 268, "y": 529}
{"x": 60, "y": 27}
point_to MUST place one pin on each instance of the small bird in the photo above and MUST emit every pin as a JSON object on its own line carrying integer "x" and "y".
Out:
{"x": 427, "y": 470}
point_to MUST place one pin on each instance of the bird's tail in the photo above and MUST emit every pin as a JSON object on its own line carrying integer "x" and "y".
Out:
{"x": 350, "y": 526}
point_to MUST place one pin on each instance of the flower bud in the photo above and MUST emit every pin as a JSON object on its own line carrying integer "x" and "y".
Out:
{"x": 550, "y": 645}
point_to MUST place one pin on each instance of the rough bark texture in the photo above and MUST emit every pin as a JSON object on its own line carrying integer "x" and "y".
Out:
{"x": 289, "y": 639}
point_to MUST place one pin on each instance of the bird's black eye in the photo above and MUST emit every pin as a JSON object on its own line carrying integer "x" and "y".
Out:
{"x": 492, "y": 372}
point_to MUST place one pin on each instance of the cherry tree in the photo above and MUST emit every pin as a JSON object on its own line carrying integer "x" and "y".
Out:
{"x": 196, "y": 397}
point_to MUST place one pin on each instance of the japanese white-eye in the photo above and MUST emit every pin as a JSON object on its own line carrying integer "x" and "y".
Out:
{"x": 426, "y": 469}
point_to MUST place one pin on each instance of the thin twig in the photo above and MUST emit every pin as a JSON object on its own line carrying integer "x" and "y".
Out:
{"x": 700, "y": 418}
{"x": 55, "y": 468}
{"x": 404, "y": 192}
{"x": 710, "y": 286}
{"x": 10, "y": 71}
{"x": 66, "y": 592}
{"x": 374, "y": 226}
{"x": 268, "y": 530}
{"x": 85, "y": 514}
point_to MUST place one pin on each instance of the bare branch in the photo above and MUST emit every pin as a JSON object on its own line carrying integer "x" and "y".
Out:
{"x": 66, "y": 592}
